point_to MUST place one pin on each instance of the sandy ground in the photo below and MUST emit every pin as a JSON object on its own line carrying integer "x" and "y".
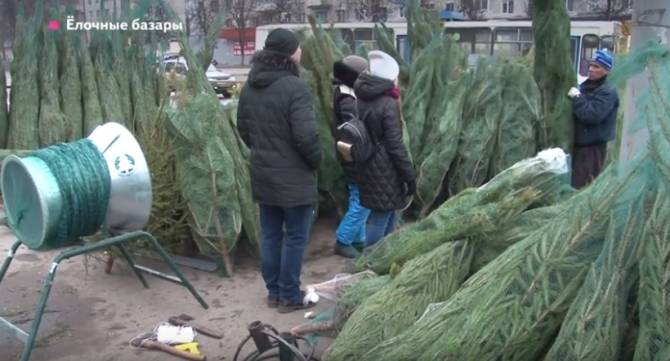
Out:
{"x": 92, "y": 315}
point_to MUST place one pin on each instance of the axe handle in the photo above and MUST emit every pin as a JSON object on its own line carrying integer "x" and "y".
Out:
{"x": 207, "y": 331}
{"x": 153, "y": 345}
{"x": 202, "y": 329}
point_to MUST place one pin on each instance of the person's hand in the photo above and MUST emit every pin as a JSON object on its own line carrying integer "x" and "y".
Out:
{"x": 574, "y": 92}
{"x": 411, "y": 188}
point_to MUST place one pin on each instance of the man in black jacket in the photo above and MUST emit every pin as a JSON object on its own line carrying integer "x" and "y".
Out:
{"x": 276, "y": 121}
{"x": 594, "y": 109}
{"x": 350, "y": 234}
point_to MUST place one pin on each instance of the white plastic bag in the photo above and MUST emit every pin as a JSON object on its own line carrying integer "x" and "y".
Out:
{"x": 172, "y": 335}
{"x": 332, "y": 289}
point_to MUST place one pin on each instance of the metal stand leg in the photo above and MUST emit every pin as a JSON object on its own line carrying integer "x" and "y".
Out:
{"x": 175, "y": 269}
{"x": 39, "y": 310}
{"x": 118, "y": 242}
{"x": 9, "y": 259}
{"x": 131, "y": 262}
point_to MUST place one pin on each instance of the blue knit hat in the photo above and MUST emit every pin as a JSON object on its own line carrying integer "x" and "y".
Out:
{"x": 603, "y": 58}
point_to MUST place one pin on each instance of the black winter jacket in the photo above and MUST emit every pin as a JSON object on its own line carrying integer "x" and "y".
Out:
{"x": 344, "y": 101}
{"x": 383, "y": 179}
{"x": 276, "y": 121}
{"x": 595, "y": 113}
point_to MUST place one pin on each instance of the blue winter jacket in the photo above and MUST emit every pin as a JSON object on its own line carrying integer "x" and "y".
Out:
{"x": 595, "y": 112}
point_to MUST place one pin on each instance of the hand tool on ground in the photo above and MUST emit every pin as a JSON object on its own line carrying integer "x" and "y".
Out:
{"x": 191, "y": 347}
{"x": 185, "y": 320}
{"x": 148, "y": 341}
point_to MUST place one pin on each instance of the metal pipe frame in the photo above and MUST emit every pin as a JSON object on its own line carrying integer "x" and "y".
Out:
{"x": 118, "y": 242}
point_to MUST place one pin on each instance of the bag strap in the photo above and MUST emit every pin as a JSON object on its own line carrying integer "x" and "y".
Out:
{"x": 345, "y": 89}
{"x": 373, "y": 136}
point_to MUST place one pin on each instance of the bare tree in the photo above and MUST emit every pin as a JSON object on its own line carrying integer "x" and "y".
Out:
{"x": 8, "y": 12}
{"x": 201, "y": 14}
{"x": 613, "y": 9}
{"x": 474, "y": 9}
{"x": 371, "y": 10}
{"x": 206, "y": 18}
{"x": 241, "y": 11}
{"x": 284, "y": 8}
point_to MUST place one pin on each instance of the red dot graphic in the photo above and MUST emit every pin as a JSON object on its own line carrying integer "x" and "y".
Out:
{"x": 53, "y": 25}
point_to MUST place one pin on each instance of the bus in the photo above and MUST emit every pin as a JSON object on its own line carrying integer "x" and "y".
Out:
{"x": 354, "y": 34}
{"x": 501, "y": 38}
{"x": 508, "y": 38}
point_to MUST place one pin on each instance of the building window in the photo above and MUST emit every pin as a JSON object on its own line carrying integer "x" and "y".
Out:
{"x": 449, "y": 7}
{"x": 300, "y": 18}
{"x": 214, "y": 6}
{"x": 321, "y": 16}
{"x": 508, "y": 6}
{"x": 482, "y": 4}
{"x": 380, "y": 15}
{"x": 341, "y": 16}
{"x": 570, "y": 5}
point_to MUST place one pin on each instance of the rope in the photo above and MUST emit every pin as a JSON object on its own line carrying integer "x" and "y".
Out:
{"x": 84, "y": 182}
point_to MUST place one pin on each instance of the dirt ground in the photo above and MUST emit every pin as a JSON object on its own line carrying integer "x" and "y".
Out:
{"x": 92, "y": 315}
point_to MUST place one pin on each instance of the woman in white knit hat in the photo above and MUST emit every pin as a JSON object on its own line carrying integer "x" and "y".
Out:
{"x": 350, "y": 234}
{"x": 388, "y": 178}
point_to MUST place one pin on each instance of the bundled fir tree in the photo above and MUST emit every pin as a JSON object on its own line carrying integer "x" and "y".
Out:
{"x": 24, "y": 111}
{"x": 53, "y": 127}
{"x": 553, "y": 71}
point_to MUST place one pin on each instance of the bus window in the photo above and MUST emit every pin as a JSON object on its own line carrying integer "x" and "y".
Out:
{"x": 465, "y": 44}
{"x": 590, "y": 44}
{"x": 482, "y": 41}
{"x": 607, "y": 42}
{"x": 363, "y": 37}
{"x": 475, "y": 40}
{"x": 574, "y": 51}
{"x": 348, "y": 37}
{"x": 513, "y": 42}
{"x": 405, "y": 51}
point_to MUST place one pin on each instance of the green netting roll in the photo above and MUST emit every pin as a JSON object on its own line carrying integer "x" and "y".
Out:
{"x": 57, "y": 194}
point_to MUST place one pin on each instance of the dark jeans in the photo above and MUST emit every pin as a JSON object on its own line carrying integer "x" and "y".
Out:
{"x": 284, "y": 235}
{"x": 380, "y": 223}
{"x": 587, "y": 162}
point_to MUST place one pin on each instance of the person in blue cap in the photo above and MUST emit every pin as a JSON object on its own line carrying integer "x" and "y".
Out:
{"x": 594, "y": 108}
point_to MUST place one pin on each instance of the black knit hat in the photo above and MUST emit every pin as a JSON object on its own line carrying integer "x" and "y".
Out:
{"x": 348, "y": 69}
{"x": 282, "y": 41}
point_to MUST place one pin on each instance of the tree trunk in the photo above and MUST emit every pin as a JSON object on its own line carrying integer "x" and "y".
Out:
{"x": 242, "y": 25}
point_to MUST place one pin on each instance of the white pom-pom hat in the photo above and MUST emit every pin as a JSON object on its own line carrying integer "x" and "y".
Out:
{"x": 383, "y": 65}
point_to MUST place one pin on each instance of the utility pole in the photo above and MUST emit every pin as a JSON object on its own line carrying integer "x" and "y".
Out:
{"x": 651, "y": 21}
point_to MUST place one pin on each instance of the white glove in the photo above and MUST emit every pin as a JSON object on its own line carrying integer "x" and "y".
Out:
{"x": 574, "y": 92}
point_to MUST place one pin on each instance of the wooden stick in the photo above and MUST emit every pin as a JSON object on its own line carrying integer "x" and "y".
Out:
{"x": 154, "y": 345}
{"x": 307, "y": 328}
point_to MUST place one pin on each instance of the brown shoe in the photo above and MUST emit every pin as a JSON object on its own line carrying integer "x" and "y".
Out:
{"x": 273, "y": 302}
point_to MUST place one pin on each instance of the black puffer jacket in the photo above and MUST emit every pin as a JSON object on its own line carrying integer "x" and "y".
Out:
{"x": 344, "y": 101}
{"x": 276, "y": 120}
{"x": 383, "y": 179}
